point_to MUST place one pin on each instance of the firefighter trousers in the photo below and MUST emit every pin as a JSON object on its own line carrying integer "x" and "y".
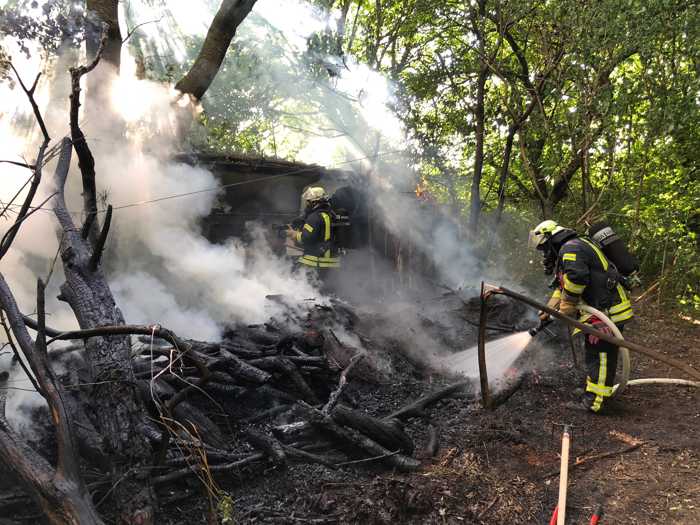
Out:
{"x": 601, "y": 362}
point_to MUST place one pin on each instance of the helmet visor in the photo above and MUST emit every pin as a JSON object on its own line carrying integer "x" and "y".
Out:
{"x": 535, "y": 239}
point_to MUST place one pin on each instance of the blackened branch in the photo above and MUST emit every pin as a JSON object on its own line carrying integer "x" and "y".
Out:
{"x": 36, "y": 178}
{"x": 99, "y": 246}
{"x": 86, "y": 161}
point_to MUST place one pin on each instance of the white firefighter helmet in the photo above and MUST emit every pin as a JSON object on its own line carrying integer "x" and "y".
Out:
{"x": 543, "y": 232}
{"x": 313, "y": 194}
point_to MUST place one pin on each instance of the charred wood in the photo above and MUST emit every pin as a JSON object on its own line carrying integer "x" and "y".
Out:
{"x": 387, "y": 435}
{"x": 417, "y": 408}
{"x": 239, "y": 369}
{"x": 354, "y": 438}
{"x": 267, "y": 444}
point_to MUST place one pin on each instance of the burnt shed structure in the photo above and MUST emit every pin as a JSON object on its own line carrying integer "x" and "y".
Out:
{"x": 259, "y": 189}
{"x": 268, "y": 191}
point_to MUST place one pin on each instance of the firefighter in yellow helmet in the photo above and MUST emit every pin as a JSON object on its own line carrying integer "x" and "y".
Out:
{"x": 585, "y": 275}
{"x": 316, "y": 236}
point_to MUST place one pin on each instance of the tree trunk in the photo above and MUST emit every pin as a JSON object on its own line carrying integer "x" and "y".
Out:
{"x": 221, "y": 32}
{"x": 475, "y": 200}
{"x": 505, "y": 167}
{"x": 98, "y": 83}
{"x": 116, "y": 409}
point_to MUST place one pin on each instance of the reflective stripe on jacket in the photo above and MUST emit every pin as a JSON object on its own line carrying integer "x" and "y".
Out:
{"x": 315, "y": 237}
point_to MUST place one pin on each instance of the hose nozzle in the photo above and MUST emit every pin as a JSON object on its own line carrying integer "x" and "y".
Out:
{"x": 539, "y": 327}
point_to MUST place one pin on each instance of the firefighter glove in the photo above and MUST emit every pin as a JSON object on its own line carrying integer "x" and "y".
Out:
{"x": 568, "y": 307}
{"x": 553, "y": 303}
{"x": 600, "y": 326}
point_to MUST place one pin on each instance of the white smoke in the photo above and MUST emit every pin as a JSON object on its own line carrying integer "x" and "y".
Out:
{"x": 159, "y": 265}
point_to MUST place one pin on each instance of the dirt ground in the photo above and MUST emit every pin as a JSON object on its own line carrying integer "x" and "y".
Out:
{"x": 502, "y": 466}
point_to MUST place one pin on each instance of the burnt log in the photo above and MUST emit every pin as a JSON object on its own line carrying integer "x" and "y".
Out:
{"x": 239, "y": 369}
{"x": 388, "y": 435}
{"x": 358, "y": 440}
{"x": 340, "y": 356}
{"x": 288, "y": 369}
{"x": 417, "y": 408}
{"x": 201, "y": 426}
{"x": 267, "y": 444}
{"x": 299, "y": 430}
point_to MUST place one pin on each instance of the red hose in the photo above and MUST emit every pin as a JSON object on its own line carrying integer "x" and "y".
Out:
{"x": 553, "y": 521}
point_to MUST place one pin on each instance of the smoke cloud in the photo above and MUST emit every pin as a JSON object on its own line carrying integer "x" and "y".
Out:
{"x": 160, "y": 267}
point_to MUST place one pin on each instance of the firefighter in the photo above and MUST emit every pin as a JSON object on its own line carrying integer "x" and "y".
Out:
{"x": 316, "y": 237}
{"x": 584, "y": 275}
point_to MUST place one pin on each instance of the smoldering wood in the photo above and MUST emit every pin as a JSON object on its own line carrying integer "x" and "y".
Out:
{"x": 241, "y": 370}
{"x": 267, "y": 444}
{"x": 357, "y": 439}
{"x": 386, "y": 434}
{"x": 417, "y": 408}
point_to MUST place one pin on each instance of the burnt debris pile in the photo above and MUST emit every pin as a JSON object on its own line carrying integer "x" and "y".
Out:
{"x": 268, "y": 393}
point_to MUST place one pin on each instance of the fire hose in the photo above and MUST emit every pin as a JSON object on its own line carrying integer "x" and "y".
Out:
{"x": 626, "y": 364}
{"x": 617, "y": 340}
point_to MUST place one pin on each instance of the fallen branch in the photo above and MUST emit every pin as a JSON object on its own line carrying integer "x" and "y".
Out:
{"x": 333, "y": 398}
{"x": 416, "y": 408}
{"x": 367, "y": 460}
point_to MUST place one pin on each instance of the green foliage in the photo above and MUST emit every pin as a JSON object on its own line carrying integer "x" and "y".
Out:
{"x": 613, "y": 135}
{"x": 602, "y": 99}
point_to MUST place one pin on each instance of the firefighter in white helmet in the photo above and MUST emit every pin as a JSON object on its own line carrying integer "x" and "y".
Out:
{"x": 584, "y": 275}
{"x": 316, "y": 236}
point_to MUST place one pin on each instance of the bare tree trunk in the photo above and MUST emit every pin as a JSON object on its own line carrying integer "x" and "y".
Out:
{"x": 218, "y": 39}
{"x": 505, "y": 168}
{"x": 116, "y": 409}
{"x": 475, "y": 200}
{"x": 102, "y": 13}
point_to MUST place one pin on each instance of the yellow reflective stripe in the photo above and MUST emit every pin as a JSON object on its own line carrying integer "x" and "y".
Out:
{"x": 597, "y": 404}
{"x": 319, "y": 264}
{"x": 313, "y": 258}
{"x": 297, "y": 236}
{"x": 597, "y": 389}
{"x": 628, "y": 314}
{"x": 621, "y": 292}
{"x": 569, "y": 257}
{"x": 573, "y": 287}
{"x": 556, "y": 294}
{"x": 600, "y": 255}
{"x": 327, "y": 223}
{"x": 625, "y": 305}
{"x": 308, "y": 228}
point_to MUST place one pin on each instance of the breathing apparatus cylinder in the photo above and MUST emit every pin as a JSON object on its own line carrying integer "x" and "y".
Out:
{"x": 614, "y": 248}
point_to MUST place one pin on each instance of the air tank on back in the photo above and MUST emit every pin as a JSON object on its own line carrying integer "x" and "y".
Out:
{"x": 613, "y": 247}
